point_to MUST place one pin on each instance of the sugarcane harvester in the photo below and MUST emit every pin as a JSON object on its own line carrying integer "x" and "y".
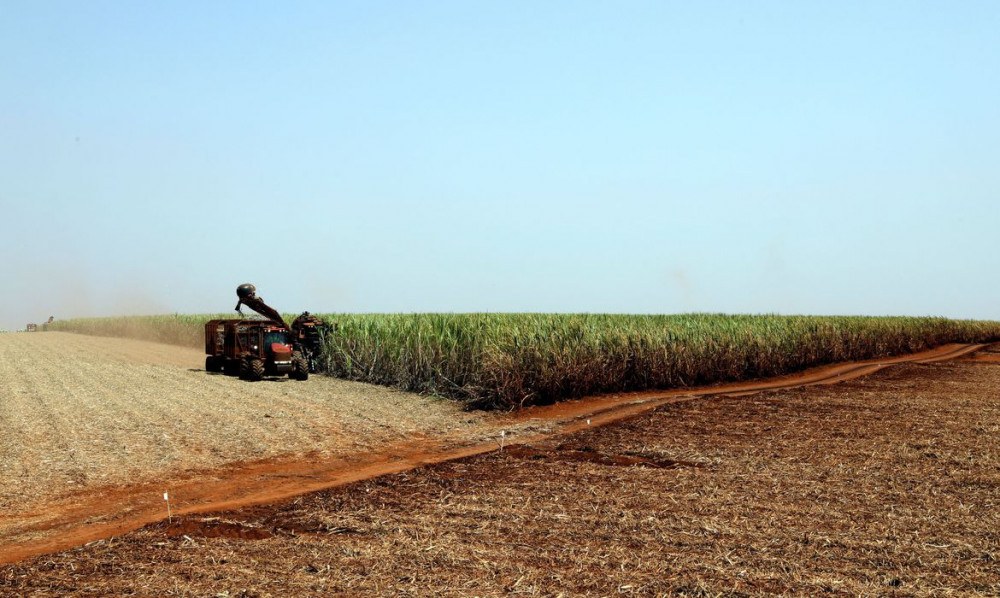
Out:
{"x": 253, "y": 349}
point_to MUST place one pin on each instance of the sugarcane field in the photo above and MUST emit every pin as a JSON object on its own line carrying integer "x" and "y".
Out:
{"x": 488, "y": 299}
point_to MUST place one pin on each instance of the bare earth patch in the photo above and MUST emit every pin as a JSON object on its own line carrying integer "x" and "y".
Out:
{"x": 883, "y": 485}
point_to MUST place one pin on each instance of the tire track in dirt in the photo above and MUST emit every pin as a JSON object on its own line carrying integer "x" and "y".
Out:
{"x": 107, "y": 512}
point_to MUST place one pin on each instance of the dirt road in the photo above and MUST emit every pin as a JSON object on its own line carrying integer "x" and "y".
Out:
{"x": 100, "y": 428}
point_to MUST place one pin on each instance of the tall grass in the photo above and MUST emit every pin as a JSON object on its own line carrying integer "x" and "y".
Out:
{"x": 511, "y": 360}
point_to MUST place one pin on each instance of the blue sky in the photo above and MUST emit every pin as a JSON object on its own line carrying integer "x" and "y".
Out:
{"x": 648, "y": 157}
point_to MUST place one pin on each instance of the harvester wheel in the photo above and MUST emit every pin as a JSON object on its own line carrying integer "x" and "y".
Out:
{"x": 213, "y": 364}
{"x": 300, "y": 367}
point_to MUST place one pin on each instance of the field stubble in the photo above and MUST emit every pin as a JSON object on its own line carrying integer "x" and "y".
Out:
{"x": 883, "y": 485}
{"x": 79, "y": 413}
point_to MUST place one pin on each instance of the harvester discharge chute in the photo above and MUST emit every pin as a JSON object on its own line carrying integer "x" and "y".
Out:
{"x": 248, "y": 296}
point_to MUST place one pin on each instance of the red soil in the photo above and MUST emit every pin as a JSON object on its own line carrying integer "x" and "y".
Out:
{"x": 112, "y": 511}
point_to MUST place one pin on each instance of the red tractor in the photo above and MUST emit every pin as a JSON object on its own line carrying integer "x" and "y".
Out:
{"x": 253, "y": 349}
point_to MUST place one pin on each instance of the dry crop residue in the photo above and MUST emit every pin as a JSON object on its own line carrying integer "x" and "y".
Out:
{"x": 83, "y": 415}
{"x": 82, "y": 511}
{"x": 878, "y": 486}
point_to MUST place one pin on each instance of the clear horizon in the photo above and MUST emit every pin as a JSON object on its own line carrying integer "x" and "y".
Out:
{"x": 641, "y": 157}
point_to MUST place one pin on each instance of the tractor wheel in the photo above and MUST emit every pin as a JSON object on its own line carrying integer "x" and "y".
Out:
{"x": 251, "y": 369}
{"x": 213, "y": 364}
{"x": 256, "y": 370}
{"x": 300, "y": 367}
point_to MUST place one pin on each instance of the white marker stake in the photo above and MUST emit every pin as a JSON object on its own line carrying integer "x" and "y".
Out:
{"x": 503, "y": 434}
{"x": 166, "y": 497}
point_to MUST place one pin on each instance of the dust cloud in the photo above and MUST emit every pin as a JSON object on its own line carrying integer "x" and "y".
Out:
{"x": 65, "y": 291}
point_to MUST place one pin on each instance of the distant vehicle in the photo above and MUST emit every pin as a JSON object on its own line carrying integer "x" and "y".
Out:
{"x": 34, "y": 327}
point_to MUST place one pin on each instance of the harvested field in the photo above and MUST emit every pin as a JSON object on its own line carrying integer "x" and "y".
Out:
{"x": 83, "y": 415}
{"x": 885, "y": 484}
